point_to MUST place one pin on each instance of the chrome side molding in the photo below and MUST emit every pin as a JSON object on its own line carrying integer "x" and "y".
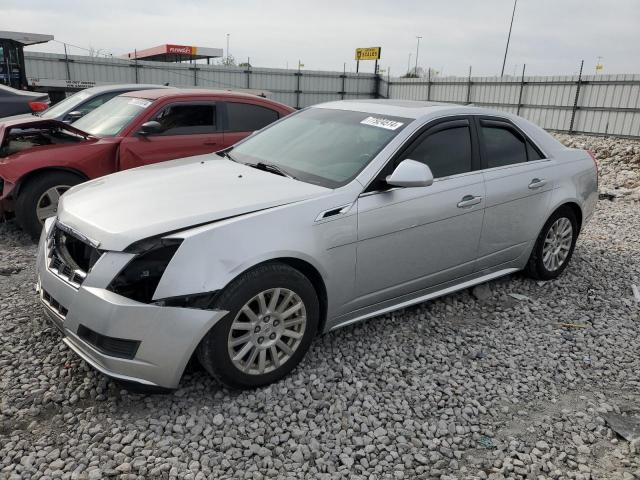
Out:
{"x": 428, "y": 296}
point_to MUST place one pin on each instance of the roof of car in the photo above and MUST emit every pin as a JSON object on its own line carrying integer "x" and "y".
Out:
{"x": 428, "y": 110}
{"x": 125, "y": 87}
{"x": 186, "y": 92}
{"x": 401, "y": 108}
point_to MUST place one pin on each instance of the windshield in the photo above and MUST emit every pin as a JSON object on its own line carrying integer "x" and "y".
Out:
{"x": 66, "y": 105}
{"x": 110, "y": 119}
{"x": 321, "y": 146}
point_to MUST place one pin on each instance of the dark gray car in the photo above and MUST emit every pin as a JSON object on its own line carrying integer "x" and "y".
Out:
{"x": 16, "y": 102}
{"x": 79, "y": 104}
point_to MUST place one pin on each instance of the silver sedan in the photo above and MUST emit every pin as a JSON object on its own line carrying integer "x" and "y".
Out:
{"x": 338, "y": 213}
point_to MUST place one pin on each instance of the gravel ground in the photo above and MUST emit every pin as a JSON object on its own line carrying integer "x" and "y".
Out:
{"x": 479, "y": 384}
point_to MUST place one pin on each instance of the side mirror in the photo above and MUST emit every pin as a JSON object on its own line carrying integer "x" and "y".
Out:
{"x": 73, "y": 116}
{"x": 410, "y": 173}
{"x": 150, "y": 127}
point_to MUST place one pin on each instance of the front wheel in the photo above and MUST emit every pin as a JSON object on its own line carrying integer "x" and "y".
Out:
{"x": 39, "y": 197}
{"x": 273, "y": 316}
{"x": 554, "y": 246}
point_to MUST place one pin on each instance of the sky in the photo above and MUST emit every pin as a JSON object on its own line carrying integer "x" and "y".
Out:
{"x": 550, "y": 36}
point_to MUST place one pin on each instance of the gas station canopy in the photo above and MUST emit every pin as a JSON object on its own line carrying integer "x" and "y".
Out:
{"x": 25, "y": 38}
{"x": 174, "y": 53}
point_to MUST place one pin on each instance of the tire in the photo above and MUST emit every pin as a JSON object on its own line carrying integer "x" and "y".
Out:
{"x": 31, "y": 194}
{"x": 541, "y": 269}
{"x": 268, "y": 327}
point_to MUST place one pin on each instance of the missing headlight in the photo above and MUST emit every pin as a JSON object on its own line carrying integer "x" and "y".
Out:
{"x": 139, "y": 279}
{"x": 202, "y": 301}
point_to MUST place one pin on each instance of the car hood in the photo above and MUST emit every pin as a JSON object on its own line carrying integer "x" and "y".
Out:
{"x": 33, "y": 121}
{"x": 120, "y": 209}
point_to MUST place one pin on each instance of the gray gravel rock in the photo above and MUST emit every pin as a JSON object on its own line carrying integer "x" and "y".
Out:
{"x": 618, "y": 162}
{"x": 470, "y": 386}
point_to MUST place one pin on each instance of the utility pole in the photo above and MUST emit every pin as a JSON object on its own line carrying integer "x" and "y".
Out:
{"x": 417, "y": 52}
{"x": 409, "y": 64}
{"x": 66, "y": 61}
{"x": 135, "y": 54}
{"x": 228, "y": 35}
{"x": 513, "y": 14}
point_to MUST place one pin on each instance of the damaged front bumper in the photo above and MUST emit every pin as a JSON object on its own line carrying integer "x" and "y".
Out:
{"x": 122, "y": 338}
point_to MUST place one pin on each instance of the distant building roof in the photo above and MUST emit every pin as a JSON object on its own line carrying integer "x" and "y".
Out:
{"x": 26, "y": 38}
{"x": 174, "y": 53}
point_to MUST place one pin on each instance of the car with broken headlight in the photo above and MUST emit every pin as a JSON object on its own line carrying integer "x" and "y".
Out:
{"x": 41, "y": 158}
{"x": 338, "y": 213}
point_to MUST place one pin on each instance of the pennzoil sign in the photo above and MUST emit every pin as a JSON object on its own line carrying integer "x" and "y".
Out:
{"x": 182, "y": 49}
{"x": 368, "y": 53}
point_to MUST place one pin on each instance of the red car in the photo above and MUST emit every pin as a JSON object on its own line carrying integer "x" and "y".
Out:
{"x": 40, "y": 159}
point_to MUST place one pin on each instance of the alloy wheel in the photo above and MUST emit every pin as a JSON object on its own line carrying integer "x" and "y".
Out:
{"x": 267, "y": 331}
{"x": 557, "y": 244}
{"x": 47, "y": 205}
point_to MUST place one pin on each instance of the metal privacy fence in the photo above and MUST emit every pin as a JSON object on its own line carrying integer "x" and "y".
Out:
{"x": 297, "y": 88}
{"x": 593, "y": 104}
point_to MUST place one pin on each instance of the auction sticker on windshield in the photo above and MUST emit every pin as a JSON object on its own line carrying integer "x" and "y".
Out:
{"x": 140, "y": 102}
{"x": 382, "y": 123}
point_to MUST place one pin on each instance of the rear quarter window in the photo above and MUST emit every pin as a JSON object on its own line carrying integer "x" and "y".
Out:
{"x": 245, "y": 117}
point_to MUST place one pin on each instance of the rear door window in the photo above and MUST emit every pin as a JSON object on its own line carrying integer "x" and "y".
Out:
{"x": 245, "y": 117}
{"x": 187, "y": 118}
{"x": 504, "y": 144}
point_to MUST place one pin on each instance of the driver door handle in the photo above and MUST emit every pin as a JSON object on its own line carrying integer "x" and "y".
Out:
{"x": 469, "y": 200}
{"x": 537, "y": 183}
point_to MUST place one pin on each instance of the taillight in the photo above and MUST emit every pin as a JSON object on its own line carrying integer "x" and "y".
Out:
{"x": 38, "y": 106}
{"x": 595, "y": 162}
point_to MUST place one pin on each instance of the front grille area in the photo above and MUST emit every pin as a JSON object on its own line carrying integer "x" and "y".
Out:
{"x": 54, "y": 304}
{"x": 114, "y": 347}
{"x": 68, "y": 257}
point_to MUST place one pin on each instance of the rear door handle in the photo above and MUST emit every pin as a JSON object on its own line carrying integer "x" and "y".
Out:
{"x": 469, "y": 200}
{"x": 537, "y": 183}
{"x": 212, "y": 144}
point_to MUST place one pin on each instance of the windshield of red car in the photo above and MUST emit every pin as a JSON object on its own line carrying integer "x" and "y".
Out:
{"x": 109, "y": 119}
{"x": 320, "y": 145}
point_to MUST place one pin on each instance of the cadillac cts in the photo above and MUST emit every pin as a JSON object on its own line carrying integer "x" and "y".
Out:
{"x": 335, "y": 214}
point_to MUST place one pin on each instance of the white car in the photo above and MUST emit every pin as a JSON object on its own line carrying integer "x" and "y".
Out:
{"x": 335, "y": 214}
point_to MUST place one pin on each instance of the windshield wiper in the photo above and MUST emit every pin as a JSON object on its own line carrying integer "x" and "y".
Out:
{"x": 266, "y": 167}
{"x": 272, "y": 168}
{"x": 226, "y": 154}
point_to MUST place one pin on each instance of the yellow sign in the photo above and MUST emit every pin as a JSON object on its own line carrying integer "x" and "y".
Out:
{"x": 370, "y": 53}
{"x": 599, "y": 67}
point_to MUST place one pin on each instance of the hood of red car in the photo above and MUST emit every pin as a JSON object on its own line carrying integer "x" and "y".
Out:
{"x": 36, "y": 122}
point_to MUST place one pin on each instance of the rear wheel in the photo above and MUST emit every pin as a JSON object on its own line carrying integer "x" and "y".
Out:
{"x": 38, "y": 199}
{"x": 554, "y": 246}
{"x": 273, "y": 316}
